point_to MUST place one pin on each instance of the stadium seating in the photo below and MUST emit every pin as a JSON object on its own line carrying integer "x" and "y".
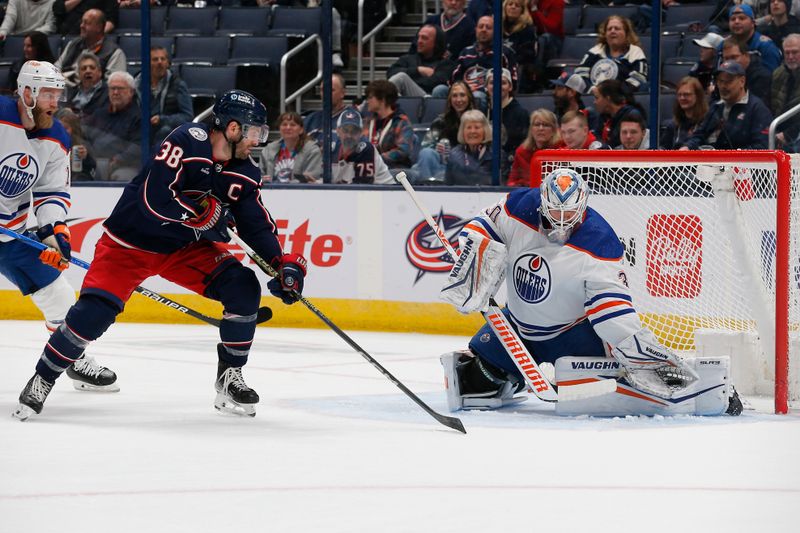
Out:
{"x": 295, "y": 21}
{"x": 432, "y": 108}
{"x": 258, "y": 51}
{"x": 672, "y": 71}
{"x": 532, "y": 102}
{"x": 572, "y": 19}
{"x": 207, "y": 50}
{"x": 594, "y": 15}
{"x": 130, "y": 20}
{"x": 244, "y": 21}
{"x": 192, "y": 21}
{"x": 209, "y": 81}
{"x": 132, "y": 45}
{"x": 411, "y": 106}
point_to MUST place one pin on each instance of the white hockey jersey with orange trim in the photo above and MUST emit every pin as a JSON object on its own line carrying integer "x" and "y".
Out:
{"x": 34, "y": 171}
{"x": 553, "y": 287}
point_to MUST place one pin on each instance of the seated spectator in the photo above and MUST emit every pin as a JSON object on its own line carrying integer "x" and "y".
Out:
{"x": 457, "y": 25}
{"x": 542, "y": 134}
{"x": 688, "y": 111}
{"x": 443, "y": 134}
{"x": 417, "y": 73}
{"x": 567, "y": 97}
{"x": 575, "y": 133}
{"x": 470, "y": 162}
{"x": 24, "y": 16}
{"x": 314, "y": 122}
{"x": 548, "y": 18}
{"x": 92, "y": 38}
{"x": 761, "y": 10}
{"x": 34, "y": 46}
{"x": 786, "y": 93}
{"x": 82, "y": 165}
{"x": 69, "y": 14}
{"x": 743, "y": 30}
{"x": 617, "y": 56}
{"x": 613, "y": 101}
{"x": 170, "y": 102}
{"x": 113, "y": 131}
{"x": 355, "y": 159}
{"x": 294, "y": 158}
{"x": 704, "y": 69}
{"x": 91, "y": 92}
{"x": 633, "y": 133}
{"x": 514, "y": 118}
{"x": 759, "y": 79}
{"x": 738, "y": 121}
{"x": 781, "y": 23}
{"x": 387, "y": 128}
{"x": 519, "y": 34}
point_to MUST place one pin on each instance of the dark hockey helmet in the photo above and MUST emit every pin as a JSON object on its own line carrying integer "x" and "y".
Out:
{"x": 245, "y": 109}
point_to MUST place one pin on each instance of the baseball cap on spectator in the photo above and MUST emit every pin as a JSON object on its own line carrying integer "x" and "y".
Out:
{"x": 506, "y": 75}
{"x": 730, "y": 67}
{"x": 709, "y": 40}
{"x": 566, "y": 80}
{"x": 742, "y": 8}
{"x": 350, "y": 117}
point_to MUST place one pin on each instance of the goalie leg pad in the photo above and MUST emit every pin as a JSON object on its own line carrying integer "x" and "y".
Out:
{"x": 476, "y": 274}
{"x": 54, "y": 301}
{"x": 475, "y": 385}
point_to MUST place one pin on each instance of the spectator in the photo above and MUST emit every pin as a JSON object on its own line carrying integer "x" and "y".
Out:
{"x": 786, "y": 92}
{"x": 743, "y": 30}
{"x": 34, "y": 46}
{"x": 567, "y": 97}
{"x": 548, "y": 17}
{"x": 704, "y": 69}
{"x": 443, "y": 133}
{"x": 542, "y": 134}
{"x": 616, "y": 56}
{"x": 633, "y": 133}
{"x": 170, "y": 102}
{"x": 781, "y": 22}
{"x": 82, "y": 165}
{"x": 613, "y": 101}
{"x": 417, "y": 73}
{"x": 355, "y": 159}
{"x": 761, "y": 9}
{"x": 575, "y": 133}
{"x": 519, "y": 34}
{"x": 457, "y": 25}
{"x": 293, "y": 158}
{"x": 514, "y": 118}
{"x": 23, "y": 16}
{"x": 470, "y": 162}
{"x": 92, "y": 38}
{"x": 476, "y": 60}
{"x": 91, "y": 93}
{"x": 739, "y": 120}
{"x": 69, "y": 14}
{"x": 315, "y": 121}
{"x": 113, "y": 131}
{"x": 387, "y": 128}
{"x": 759, "y": 79}
{"x": 689, "y": 110}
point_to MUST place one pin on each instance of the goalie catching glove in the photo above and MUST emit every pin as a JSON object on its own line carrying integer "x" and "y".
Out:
{"x": 214, "y": 221}
{"x": 651, "y": 367}
{"x": 57, "y": 238}
{"x": 476, "y": 275}
{"x": 288, "y": 286}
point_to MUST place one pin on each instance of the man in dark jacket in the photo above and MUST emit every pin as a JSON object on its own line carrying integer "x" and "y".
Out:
{"x": 782, "y": 23}
{"x": 457, "y": 25}
{"x": 738, "y": 121}
{"x": 417, "y": 73}
{"x": 70, "y": 13}
{"x": 170, "y": 102}
{"x": 786, "y": 92}
{"x": 613, "y": 104}
{"x": 759, "y": 79}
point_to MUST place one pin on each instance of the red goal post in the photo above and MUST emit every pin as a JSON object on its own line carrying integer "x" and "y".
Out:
{"x": 712, "y": 244}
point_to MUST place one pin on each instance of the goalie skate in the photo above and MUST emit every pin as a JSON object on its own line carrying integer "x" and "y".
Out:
{"x": 458, "y": 398}
{"x": 86, "y": 374}
{"x": 32, "y": 397}
{"x": 233, "y": 395}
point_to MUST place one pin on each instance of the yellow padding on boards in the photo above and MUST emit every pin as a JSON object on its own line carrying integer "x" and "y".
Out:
{"x": 438, "y": 318}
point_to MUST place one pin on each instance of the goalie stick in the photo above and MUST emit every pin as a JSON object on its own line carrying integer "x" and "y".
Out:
{"x": 264, "y": 313}
{"x": 448, "y": 421}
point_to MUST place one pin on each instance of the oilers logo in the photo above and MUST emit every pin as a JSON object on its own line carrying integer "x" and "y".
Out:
{"x": 18, "y": 173}
{"x": 532, "y": 278}
{"x": 424, "y": 250}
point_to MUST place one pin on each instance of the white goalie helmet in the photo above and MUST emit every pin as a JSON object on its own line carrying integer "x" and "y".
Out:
{"x": 564, "y": 198}
{"x": 38, "y": 75}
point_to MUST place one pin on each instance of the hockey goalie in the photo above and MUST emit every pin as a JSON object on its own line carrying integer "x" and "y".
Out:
{"x": 569, "y": 303}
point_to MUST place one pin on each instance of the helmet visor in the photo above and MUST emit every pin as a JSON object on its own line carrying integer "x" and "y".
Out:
{"x": 256, "y": 132}
{"x": 50, "y": 94}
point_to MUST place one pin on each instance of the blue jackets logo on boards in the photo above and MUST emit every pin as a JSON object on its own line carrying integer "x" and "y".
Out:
{"x": 424, "y": 250}
{"x": 18, "y": 173}
{"x": 532, "y": 278}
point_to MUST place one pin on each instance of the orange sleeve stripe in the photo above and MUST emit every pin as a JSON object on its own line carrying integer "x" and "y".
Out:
{"x": 606, "y": 305}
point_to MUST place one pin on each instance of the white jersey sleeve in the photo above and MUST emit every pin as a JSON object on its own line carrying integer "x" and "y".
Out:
{"x": 51, "y": 198}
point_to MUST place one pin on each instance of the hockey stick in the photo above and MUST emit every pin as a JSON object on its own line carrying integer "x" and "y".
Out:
{"x": 448, "y": 421}
{"x": 264, "y": 313}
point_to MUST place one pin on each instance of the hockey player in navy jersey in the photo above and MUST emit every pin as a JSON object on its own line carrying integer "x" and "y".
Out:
{"x": 35, "y": 179}
{"x": 170, "y": 221}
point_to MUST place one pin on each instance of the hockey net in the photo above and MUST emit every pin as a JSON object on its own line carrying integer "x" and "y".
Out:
{"x": 712, "y": 252}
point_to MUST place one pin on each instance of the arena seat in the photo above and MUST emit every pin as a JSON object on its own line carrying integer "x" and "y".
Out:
{"x": 411, "y": 106}
{"x": 258, "y": 51}
{"x": 132, "y": 45}
{"x": 432, "y": 108}
{"x": 243, "y": 21}
{"x": 208, "y": 50}
{"x": 210, "y": 81}
{"x": 296, "y": 21}
{"x": 192, "y": 21}
{"x": 130, "y": 20}
{"x": 594, "y": 15}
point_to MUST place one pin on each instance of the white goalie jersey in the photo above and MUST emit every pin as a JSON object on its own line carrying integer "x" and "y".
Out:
{"x": 34, "y": 171}
{"x": 553, "y": 287}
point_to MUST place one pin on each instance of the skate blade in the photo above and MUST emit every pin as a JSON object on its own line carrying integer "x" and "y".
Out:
{"x": 88, "y": 387}
{"x": 23, "y": 412}
{"x": 223, "y": 404}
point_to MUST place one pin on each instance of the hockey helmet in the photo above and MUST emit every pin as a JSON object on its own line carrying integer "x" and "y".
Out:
{"x": 246, "y": 110}
{"x": 38, "y": 75}
{"x": 564, "y": 198}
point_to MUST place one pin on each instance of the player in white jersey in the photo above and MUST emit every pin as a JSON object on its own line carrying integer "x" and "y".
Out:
{"x": 567, "y": 296}
{"x": 35, "y": 179}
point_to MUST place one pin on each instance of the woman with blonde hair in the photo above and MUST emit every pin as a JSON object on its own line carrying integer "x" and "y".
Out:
{"x": 618, "y": 55}
{"x": 542, "y": 134}
{"x": 519, "y": 34}
{"x": 687, "y": 113}
{"x": 470, "y": 163}
{"x": 293, "y": 158}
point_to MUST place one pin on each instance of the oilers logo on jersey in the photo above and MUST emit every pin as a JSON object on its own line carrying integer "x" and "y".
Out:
{"x": 532, "y": 278}
{"x": 18, "y": 172}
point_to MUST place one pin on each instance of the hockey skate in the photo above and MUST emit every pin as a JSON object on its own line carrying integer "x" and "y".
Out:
{"x": 500, "y": 393}
{"x": 233, "y": 394}
{"x": 32, "y": 397}
{"x": 86, "y": 374}
{"x": 735, "y": 406}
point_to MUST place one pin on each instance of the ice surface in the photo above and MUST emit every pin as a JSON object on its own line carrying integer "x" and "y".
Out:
{"x": 336, "y": 447}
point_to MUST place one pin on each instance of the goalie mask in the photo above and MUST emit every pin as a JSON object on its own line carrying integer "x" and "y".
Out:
{"x": 564, "y": 198}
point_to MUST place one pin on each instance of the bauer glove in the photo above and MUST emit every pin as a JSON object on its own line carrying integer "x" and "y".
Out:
{"x": 288, "y": 286}
{"x": 59, "y": 250}
{"x": 212, "y": 223}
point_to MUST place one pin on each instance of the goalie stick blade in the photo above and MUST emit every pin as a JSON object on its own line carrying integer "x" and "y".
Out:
{"x": 451, "y": 422}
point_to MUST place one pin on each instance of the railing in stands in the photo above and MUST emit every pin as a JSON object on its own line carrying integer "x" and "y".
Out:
{"x": 783, "y": 117}
{"x": 436, "y": 9}
{"x": 298, "y": 94}
{"x": 361, "y": 39}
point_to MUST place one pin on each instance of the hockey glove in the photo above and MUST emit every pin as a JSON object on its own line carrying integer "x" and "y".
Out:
{"x": 57, "y": 238}
{"x": 288, "y": 286}
{"x": 212, "y": 223}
